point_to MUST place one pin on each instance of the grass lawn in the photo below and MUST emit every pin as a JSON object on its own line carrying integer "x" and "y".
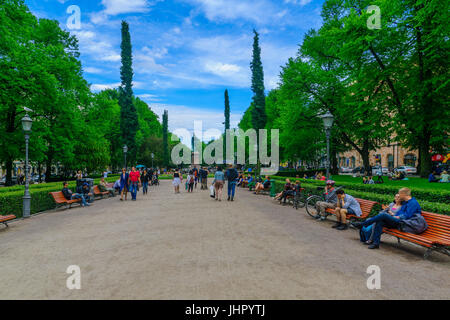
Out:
{"x": 411, "y": 183}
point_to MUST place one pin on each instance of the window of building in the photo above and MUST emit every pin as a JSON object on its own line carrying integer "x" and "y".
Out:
{"x": 410, "y": 160}
{"x": 390, "y": 159}
{"x": 353, "y": 162}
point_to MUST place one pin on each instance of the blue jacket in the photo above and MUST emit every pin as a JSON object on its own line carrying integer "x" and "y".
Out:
{"x": 350, "y": 202}
{"x": 124, "y": 180}
{"x": 409, "y": 209}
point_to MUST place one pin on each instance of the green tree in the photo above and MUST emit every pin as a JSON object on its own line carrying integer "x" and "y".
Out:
{"x": 165, "y": 130}
{"x": 259, "y": 99}
{"x": 128, "y": 116}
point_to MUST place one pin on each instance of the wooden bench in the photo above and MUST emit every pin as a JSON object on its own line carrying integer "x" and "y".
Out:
{"x": 291, "y": 198}
{"x": 60, "y": 200}
{"x": 5, "y": 219}
{"x": 366, "y": 209}
{"x": 435, "y": 238}
{"x": 97, "y": 192}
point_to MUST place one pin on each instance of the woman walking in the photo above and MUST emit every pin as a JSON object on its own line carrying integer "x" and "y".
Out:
{"x": 145, "y": 177}
{"x": 190, "y": 180}
{"x": 219, "y": 179}
{"x": 177, "y": 180}
{"x": 124, "y": 184}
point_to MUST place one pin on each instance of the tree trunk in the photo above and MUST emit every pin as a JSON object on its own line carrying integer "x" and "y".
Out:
{"x": 48, "y": 171}
{"x": 425, "y": 164}
{"x": 9, "y": 165}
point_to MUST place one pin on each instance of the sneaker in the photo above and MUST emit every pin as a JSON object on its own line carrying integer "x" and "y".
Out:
{"x": 342, "y": 227}
{"x": 228, "y": 198}
{"x": 338, "y": 224}
{"x": 232, "y": 198}
{"x": 357, "y": 225}
{"x": 374, "y": 246}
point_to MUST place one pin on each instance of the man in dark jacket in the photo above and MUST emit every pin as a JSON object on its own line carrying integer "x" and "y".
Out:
{"x": 231, "y": 174}
{"x": 405, "y": 219}
{"x": 71, "y": 196}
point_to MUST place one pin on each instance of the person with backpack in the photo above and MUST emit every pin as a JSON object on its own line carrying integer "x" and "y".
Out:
{"x": 190, "y": 180}
{"x": 232, "y": 175}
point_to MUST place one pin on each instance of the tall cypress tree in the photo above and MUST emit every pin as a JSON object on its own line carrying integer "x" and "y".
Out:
{"x": 259, "y": 117}
{"x": 227, "y": 123}
{"x": 128, "y": 115}
{"x": 165, "y": 128}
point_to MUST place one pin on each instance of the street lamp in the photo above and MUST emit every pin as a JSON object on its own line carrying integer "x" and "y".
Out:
{"x": 328, "y": 120}
{"x": 125, "y": 150}
{"x": 26, "y": 125}
{"x": 153, "y": 156}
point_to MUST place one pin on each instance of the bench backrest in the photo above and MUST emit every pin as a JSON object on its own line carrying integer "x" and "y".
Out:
{"x": 438, "y": 225}
{"x": 58, "y": 197}
{"x": 366, "y": 206}
{"x": 96, "y": 190}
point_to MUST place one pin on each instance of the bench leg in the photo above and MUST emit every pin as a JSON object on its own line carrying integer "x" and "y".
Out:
{"x": 6, "y": 224}
{"x": 428, "y": 253}
{"x": 398, "y": 240}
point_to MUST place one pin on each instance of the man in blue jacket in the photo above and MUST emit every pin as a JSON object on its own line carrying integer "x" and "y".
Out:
{"x": 346, "y": 204}
{"x": 410, "y": 208}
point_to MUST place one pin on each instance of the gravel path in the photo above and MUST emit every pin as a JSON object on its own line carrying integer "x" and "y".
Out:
{"x": 188, "y": 246}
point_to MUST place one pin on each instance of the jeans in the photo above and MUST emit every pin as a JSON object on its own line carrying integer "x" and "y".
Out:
{"x": 133, "y": 190}
{"x": 144, "y": 187}
{"x": 381, "y": 220}
{"x": 231, "y": 188}
{"x": 80, "y": 196}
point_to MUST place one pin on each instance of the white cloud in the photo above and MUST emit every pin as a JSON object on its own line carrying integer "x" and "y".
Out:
{"x": 183, "y": 117}
{"x": 257, "y": 11}
{"x": 221, "y": 69}
{"x": 99, "y": 87}
{"x": 114, "y": 7}
{"x": 298, "y": 2}
{"x": 93, "y": 70}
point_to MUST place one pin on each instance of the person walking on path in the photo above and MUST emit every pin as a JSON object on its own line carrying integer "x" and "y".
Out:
{"x": 205, "y": 178}
{"x": 124, "y": 177}
{"x": 190, "y": 180}
{"x": 232, "y": 175}
{"x": 219, "y": 179}
{"x": 135, "y": 180}
{"x": 145, "y": 177}
{"x": 177, "y": 180}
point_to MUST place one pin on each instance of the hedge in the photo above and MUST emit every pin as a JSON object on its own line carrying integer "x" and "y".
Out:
{"x": 11, "y": 202}
{"x": 437, "y": 196}
{"x": 441, "y": 208}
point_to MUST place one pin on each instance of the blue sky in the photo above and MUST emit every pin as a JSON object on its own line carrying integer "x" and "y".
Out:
{"x": 187, "y": 52}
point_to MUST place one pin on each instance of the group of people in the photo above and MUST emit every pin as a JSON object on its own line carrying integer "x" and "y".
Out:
{"x": 289, "y": 190}
{"x": 132, "y": 180}
{"x": 232, "y": 176}
{"x": 404, "y": 213}
{"x": 444, "y": 178}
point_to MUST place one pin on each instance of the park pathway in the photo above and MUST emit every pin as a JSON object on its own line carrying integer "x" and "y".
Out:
{"x": 188, "y": 246}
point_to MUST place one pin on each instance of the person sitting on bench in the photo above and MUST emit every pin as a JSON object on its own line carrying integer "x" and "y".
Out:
{"x": 103, "y": 186}
{"x": 330, "y": 200}
{"x": 287, "y": 187}
{"x": 295, "y": 188}
{"x": 71, "y": 196}
{"x": 262, "y": 186}
{"x": 346, "y": 204}
{"x": 407, "y": 219}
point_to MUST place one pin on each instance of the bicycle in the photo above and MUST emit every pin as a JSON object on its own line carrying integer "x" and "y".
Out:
{"x": 311, "y": 203}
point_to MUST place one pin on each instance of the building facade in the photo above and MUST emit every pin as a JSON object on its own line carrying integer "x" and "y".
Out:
{"x": 391, "y": 156}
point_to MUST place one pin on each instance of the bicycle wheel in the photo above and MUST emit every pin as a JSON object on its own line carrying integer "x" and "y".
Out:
{"x": 301, "y": 201}
{"x": 311, "y": 207}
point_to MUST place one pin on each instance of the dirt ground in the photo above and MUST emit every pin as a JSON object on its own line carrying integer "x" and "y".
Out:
{"x": 188, "y": 246}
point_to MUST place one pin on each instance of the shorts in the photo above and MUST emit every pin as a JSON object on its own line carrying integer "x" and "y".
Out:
{"x": 176, "y": 182}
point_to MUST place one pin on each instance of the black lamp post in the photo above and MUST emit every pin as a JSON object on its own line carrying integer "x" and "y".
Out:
{"x": 153, "y": 156}
{"x": 125, "y": 150}
{"x": 26, "y": 125}
{"x": 328, "y": 120}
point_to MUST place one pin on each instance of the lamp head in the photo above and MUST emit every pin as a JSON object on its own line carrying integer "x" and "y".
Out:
{"x": 125, "y": 149}
{"x": 328, "y": 120}
{"x": 27, "y": 122}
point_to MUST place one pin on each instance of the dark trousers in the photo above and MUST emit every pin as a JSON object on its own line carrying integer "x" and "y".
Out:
{"x": 381, "y": 220}
{"x": 231, "y": 188}
{"x": 144, "y": 187}
{"x": 190, "y": 187}
{"x": 286, "y": 194}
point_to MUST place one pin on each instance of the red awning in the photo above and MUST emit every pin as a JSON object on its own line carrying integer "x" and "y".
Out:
{"x": 437, "y": 157}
